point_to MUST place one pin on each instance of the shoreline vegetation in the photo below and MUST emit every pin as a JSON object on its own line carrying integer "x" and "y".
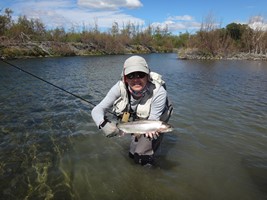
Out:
{"x": 27, "y": 38}
{"x": 15, "y": 50}
{"x": 196, "y": 54}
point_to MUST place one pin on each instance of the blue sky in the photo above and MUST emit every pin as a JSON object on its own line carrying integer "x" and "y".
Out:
{"x": 179, "y": 16}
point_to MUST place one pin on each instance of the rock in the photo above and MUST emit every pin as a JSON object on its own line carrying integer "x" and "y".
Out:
{"x": 195, "y": 54}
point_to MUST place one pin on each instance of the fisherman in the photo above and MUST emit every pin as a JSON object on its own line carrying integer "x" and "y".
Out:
{"x": 140, "y": 94}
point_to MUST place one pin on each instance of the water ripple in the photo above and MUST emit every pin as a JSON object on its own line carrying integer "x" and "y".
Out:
{"x": 51, "y": 149}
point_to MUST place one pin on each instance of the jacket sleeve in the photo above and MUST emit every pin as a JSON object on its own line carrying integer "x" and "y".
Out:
{"x": 158, "y": 104}
{"x": 100, "y": 109}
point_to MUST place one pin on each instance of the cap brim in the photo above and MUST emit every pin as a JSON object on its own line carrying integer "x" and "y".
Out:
{"x": 132, "y": 69}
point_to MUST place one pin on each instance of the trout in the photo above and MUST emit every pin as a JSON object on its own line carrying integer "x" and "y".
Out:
{"x": 144, "y": 126}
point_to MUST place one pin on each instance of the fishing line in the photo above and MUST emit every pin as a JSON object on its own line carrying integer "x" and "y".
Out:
{"x": 60, "y": 88}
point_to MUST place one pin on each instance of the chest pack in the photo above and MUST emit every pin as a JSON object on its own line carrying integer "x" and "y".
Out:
{"x": 168, "y": 107}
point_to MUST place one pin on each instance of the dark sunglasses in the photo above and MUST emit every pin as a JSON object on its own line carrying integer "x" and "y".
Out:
{"x": 136, "y": 75}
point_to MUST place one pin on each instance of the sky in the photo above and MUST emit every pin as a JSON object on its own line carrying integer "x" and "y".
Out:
{"x": 179, "y": 16}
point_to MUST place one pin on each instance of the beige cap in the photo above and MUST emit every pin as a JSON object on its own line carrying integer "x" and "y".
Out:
{"x": 135, "y": 64}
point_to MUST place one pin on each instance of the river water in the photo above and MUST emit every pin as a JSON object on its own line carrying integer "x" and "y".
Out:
{"x": 51, "y": 149}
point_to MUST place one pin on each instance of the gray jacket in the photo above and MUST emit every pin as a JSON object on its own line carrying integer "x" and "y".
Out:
{"x": 158, "y": 104}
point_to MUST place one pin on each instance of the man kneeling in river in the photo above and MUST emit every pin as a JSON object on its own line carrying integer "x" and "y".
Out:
{"x": 140, "y": 94}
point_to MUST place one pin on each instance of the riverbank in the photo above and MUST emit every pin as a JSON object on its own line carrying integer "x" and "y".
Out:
{"x": 195, "y": 54}
{"x": 14, "y": 50}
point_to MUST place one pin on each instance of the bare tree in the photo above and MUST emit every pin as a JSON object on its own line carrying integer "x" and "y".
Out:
{"x": 258, "y": 35}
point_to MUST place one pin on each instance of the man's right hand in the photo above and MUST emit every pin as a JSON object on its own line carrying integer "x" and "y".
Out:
{"x": 110, "y": 129}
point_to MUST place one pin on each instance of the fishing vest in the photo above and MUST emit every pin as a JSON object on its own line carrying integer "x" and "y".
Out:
{"x": 144, "y": 106}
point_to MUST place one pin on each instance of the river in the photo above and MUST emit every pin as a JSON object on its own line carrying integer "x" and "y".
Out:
{"x": 50, "y": 147}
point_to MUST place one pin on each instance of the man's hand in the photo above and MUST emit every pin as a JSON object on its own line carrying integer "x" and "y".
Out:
{"x": 152, "y": 135}
{"x": 110, "y": 129}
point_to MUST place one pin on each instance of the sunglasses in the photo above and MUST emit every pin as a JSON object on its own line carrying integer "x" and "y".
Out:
{"x": 136, "y": 75}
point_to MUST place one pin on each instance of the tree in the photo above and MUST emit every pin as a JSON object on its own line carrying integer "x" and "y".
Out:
{"x": 181, "y": 40}
{"x": 5, "y": 21}
{"x": 115, "y": 29}
{"x": 258, "y": 35}
{"x": 236, "y": 30}
{"x": 58, "y": 34}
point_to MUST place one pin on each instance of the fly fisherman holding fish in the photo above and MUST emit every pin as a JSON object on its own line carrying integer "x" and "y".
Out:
{"x": 139, "y": 96}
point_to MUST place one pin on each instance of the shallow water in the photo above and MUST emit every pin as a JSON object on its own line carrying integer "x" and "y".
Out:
{"x": 51, "y": 149}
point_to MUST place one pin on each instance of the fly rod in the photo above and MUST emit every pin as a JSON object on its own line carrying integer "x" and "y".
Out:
{"x": 60, "y": 88}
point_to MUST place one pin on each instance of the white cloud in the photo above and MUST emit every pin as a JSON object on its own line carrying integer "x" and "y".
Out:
{"x": 88, "y": 13}
{"x": 178, "y": 23}
{"x": 257, "y": 23}
{"x": 42, "y": 4}
{"x": 101, "y": 19}
{"x": 258, "y": 26}
{"x": 110, "y": 4}
{"x": 63, "y": 13}
{"x": 181, "y": 18}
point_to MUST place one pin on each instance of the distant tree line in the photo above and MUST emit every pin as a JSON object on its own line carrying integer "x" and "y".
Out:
{"x": 209, "y": 40}
{"x": 224, "y": 42}
{"x": 113, "y": 41}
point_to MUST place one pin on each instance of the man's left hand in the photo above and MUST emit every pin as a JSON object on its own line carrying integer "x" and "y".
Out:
{"x": 152, "y": 135}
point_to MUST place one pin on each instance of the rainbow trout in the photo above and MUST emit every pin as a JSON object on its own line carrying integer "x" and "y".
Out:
{"x": 144, "y": 126}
